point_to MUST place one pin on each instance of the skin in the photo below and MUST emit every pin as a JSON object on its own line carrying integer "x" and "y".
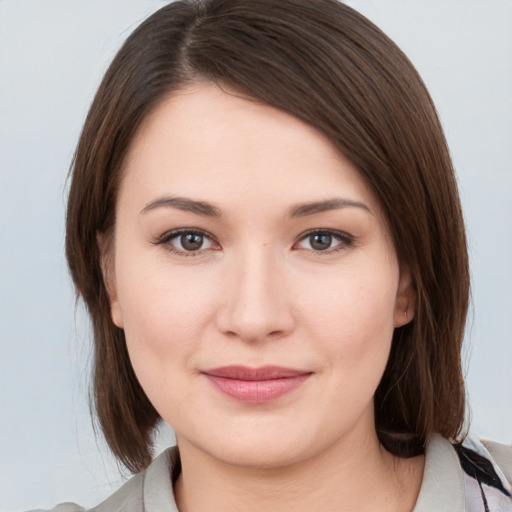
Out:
{"x": 257, "y": 292}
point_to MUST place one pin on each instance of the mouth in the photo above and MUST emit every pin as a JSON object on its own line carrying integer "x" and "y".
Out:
{"x": 256, "y": 385}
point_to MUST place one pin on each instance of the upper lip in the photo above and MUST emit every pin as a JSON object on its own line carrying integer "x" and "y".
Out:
{"x": 261, "y": 373}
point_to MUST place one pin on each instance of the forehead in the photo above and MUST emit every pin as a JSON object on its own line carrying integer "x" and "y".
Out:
{"x": 205, "y": 141}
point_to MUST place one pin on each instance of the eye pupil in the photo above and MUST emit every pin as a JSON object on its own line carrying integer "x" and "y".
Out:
{"x": 191, "y": 241}
{"x": 321, "y": 242}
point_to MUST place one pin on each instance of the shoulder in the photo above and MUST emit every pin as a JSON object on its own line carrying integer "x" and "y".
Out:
{"x": 486, "y": 459}
{"x": 63, "y": 507}
{"x": 470, "y": 476}
{"x": 486, "y": 471}
{"x": 150, "y": 489}
{"x": 127, "y": 498}
{"x": 502, "y": 455}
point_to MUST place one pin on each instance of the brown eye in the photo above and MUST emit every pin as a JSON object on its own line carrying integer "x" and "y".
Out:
{"x": 320, "y": 242}
{"x": 187, "y": 242}
{"x": 327, "y": 241}
{"x": 191, "y": 241}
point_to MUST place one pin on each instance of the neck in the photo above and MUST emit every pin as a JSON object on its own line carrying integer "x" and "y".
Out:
{"x": 356, "y": 474}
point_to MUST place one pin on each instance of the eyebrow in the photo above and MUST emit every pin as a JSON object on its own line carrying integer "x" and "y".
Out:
{"x": 208, "y": 210}
{"x": 303, "y": 210}
{"x": 182, "y": 203}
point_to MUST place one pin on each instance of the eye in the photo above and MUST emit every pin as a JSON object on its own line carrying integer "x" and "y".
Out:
{"x": 187, "y": 241}
{"x": 324, "y": 241}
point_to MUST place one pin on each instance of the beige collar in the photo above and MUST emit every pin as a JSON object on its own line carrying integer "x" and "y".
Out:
{"x": 442, "y": 489}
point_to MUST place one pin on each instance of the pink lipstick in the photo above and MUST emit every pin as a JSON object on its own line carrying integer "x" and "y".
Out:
{"x": 255, "y": 385}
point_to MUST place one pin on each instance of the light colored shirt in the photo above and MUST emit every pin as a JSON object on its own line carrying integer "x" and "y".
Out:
{"x": 477, "y": 478}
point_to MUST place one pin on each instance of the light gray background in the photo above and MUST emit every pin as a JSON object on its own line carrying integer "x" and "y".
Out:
{"x": 52, "y": 55}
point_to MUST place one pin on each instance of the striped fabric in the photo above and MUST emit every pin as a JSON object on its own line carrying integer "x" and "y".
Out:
{"x": 486, "y": 488}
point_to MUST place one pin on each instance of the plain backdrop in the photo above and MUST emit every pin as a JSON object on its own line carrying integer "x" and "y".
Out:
{"x": 52, "y": 56}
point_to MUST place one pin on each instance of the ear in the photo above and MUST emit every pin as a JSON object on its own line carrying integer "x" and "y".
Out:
{"x": 405, "y": 302}
{"x": 109, "y": 277}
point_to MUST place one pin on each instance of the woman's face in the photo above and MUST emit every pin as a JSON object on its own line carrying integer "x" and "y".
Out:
{"x": 255, "y": 280}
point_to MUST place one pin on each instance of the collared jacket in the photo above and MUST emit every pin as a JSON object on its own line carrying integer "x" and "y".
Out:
{"x": 473, "y": 477}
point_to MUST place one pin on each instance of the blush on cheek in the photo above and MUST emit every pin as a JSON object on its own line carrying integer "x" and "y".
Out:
{"x": 363, "y": 331}
{"x": 161, "y": 309}
{"x": 160, "y": 332}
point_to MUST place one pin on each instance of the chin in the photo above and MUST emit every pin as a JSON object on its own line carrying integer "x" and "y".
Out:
{"x": 257, "y": 455}
{"x": 262, "y": 447}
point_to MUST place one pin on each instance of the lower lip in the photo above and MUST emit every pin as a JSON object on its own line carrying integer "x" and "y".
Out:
{"x": 257, "y": 391}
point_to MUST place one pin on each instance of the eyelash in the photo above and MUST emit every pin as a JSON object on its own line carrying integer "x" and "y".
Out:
{"x": 166, "y": 238}
{"x": 345, "y": 241}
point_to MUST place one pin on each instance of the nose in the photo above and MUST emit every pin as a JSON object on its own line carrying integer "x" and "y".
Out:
{"x": 256, "y": 305}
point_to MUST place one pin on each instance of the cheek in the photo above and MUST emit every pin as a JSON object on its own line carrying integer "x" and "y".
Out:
{"x": 352, "y": 300}
{"x": 352, "y": 316}
{"x": 356, "y": 348}
{"x": 164, "y": 323}
{"x": 164, "y": 311}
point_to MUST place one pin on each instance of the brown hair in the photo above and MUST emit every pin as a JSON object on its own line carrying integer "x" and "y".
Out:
{"x": 326, "y": 64}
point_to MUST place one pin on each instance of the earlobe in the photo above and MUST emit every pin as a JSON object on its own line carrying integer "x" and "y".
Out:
{"x": 115, "y": 313}
{"x": 405, "y": 302}
{"x": 108, "y": 273}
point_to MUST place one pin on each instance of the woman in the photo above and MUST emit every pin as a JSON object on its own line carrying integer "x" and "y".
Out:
{"x": 264, "y": 224}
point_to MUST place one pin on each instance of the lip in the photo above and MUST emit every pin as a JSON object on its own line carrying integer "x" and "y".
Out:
{"x": 255, "y": 385}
